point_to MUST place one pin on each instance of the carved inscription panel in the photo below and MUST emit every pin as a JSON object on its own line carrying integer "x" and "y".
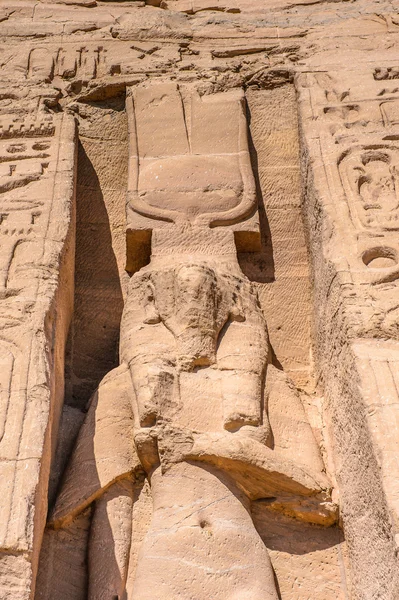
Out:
{"x": 370, "y": 179}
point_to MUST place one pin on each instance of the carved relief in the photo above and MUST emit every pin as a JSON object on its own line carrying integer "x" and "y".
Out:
{"x": 384, "y": 73}
{"x": 352, "y": 214}
{"x": 390, "y": 112}
{"x": 370, "y": 179}
{"x": 79, "y": 62}
{"x": 189, "y": 408}
{"x": 196, "y": 344}
{"x": 83, "y": 63}
{"x": 23, "y": 161}
{"x": 352, "y": 107}
{"x": 345, "y": 119}
{"x": 168, "y": 166}
{"x": 36, "y": 197}
{"x": 6, "y": 371}
{"x": 168, "y": 163}
{"x": 26, "y": 114}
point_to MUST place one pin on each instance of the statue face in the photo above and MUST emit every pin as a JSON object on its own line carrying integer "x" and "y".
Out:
{"x": 198, "y": 301}
{"x": 194, "y": 308}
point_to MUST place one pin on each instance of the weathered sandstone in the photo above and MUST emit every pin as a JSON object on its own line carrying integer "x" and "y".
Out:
{"x": 199, "y": 347}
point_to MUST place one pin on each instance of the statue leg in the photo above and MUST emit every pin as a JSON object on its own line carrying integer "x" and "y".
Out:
{"x": 110, "y": 539}
{"x": 201, "y": 544}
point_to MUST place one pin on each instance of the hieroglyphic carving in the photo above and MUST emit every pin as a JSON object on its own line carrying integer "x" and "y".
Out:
{"x": 36, "y": 208}
{"x": 370, "y": 180}
{"x": 23, "y": 161}
{"x": 26, "y": 115}
{"x": 67, "y": 64}
{"x": 353, "y": 199}
{"x": 346, "y": 107}
{"x": 366, "y": 176}
{"x": 390, "y": 112}
{"x": 384, "y": 73}
{"x": 83, "y": 63}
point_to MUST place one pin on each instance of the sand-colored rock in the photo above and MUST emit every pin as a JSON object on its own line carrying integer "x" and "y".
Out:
{"x": 37, "y": 231}
{"x": 195, "y": 342}
{"x": 198, "y": 362}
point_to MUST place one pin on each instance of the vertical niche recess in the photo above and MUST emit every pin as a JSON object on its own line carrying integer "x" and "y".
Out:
{"x": 100, "y": 247}
{"x": 92, "y": 349}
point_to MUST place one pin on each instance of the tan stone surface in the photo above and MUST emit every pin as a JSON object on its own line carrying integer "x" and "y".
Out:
{"x": 37, "y": 216}
{"x": 271, "y": 372}
{"x": 283, "y": 261}
{"x": 352, "y": 184}
{"x": 96, "y": 464}
{"x": 100, "y": 248}
{"x": 64, "y": 553}
{"x": 302, "y": 554}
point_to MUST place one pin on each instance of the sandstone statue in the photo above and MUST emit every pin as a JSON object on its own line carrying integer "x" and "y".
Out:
{"x": 199, "y": 262}
{"x": 195, "y": 342}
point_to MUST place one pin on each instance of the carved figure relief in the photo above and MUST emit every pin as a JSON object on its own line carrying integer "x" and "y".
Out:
{"x": 370, "y": 180}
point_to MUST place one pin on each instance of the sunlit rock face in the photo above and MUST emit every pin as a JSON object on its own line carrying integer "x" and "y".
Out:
{"x": 199, "y": 342}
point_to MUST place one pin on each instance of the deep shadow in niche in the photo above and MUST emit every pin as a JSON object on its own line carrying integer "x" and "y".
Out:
{"x": 281, "y": 533}
{"x": 258, "y": 266}
{"x": 94, "y": 336}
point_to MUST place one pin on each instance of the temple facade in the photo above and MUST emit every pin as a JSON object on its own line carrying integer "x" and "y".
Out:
{"x": 199, "y": 314}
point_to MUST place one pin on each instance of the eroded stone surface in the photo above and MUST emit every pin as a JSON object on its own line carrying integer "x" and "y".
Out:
{"x": 269, "y": 375}
{"x": 37, "y": 229}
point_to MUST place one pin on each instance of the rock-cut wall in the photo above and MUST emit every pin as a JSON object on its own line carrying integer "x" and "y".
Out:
{"x": 199, "y": 211}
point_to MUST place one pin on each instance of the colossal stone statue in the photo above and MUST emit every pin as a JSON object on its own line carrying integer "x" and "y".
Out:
{"x": 190, "y": 384}
{"x": 199, "y": 329}
{"x": 194, "y": 341}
